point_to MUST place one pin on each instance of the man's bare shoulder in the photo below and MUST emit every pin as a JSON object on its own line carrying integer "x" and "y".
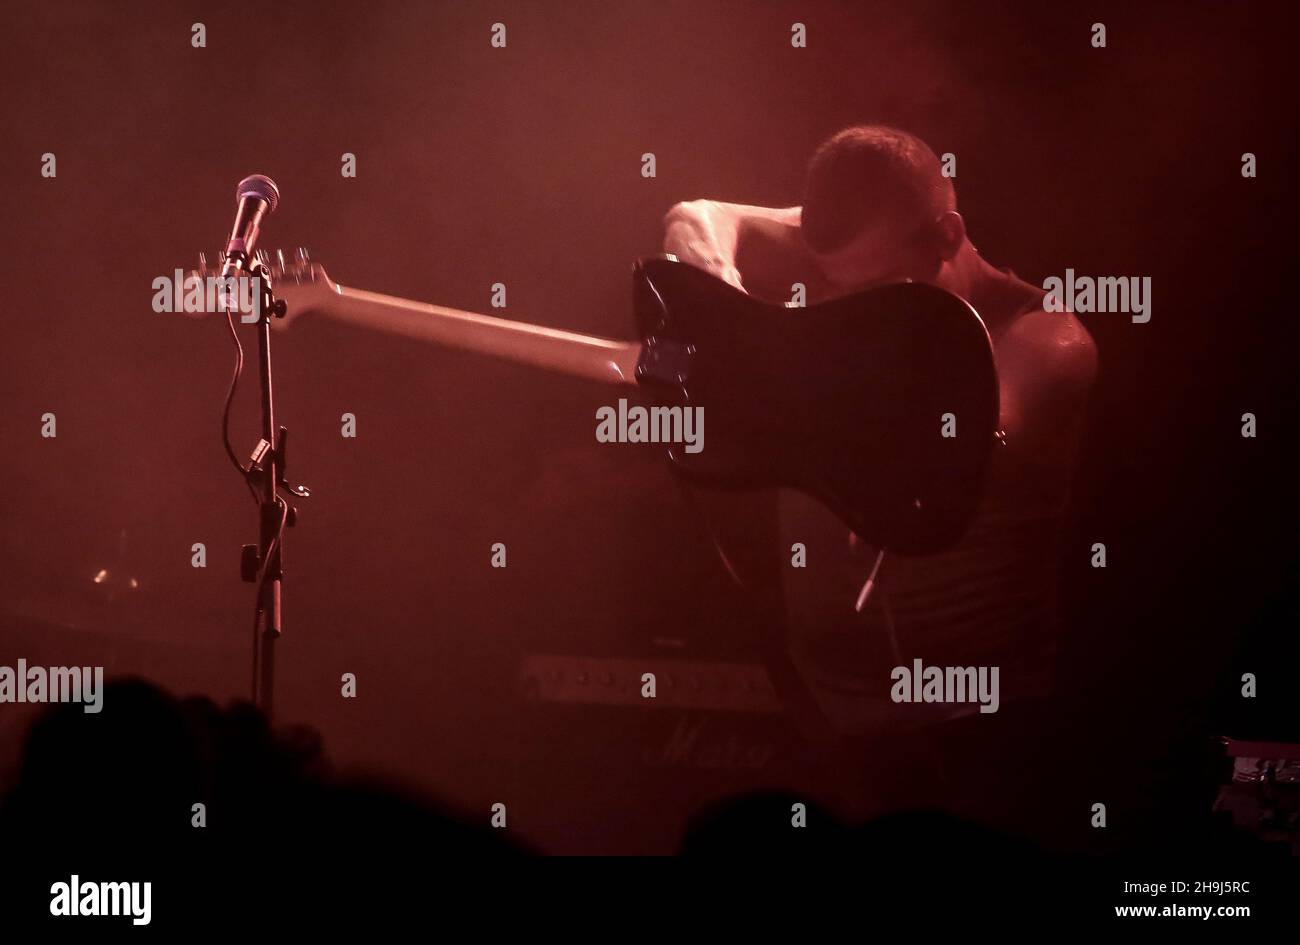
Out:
{"x": 1047, "y": 364}
{"x": 1053, "y": 345}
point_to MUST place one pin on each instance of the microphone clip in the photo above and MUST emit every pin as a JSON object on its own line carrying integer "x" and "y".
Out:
{"x": 270, "y": 305}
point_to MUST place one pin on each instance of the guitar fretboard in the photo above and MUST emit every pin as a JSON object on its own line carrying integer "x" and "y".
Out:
{"x": 588, "y": 356}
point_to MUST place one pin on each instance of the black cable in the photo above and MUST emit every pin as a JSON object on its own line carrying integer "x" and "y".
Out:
{"x": 274, "y": 546}
{"x": 230, "y": 399}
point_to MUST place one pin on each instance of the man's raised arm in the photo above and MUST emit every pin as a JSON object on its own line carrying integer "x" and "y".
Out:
{"x": 706, "y": 233}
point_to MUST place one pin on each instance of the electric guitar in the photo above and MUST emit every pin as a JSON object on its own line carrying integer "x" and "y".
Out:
{"x": 882, "y": 405}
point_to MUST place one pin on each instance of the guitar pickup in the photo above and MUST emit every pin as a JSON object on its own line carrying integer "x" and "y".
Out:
{"x": 664, "y": 361}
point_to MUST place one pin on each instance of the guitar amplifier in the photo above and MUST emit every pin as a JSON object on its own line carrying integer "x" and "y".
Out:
{"x": 613, "y": 771}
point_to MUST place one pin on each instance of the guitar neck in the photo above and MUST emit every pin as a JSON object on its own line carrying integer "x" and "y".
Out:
{"x": 565, "y": 352}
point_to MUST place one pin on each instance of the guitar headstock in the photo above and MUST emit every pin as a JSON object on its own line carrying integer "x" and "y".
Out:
{"x": 301, "y": 284}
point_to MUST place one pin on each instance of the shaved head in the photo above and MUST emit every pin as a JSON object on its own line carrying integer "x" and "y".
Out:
{"x": 871, "y": 175}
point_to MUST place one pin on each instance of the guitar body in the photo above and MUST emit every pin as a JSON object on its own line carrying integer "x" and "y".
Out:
{"x": 843, "y": 400}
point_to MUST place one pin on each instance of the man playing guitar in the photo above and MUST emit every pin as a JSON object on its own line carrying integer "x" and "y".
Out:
{"x": 878, "y": 210}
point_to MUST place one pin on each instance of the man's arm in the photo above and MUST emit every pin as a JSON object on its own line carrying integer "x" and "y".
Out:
{"x": 1048, "y": 363}
{"x": 708, "y": 233}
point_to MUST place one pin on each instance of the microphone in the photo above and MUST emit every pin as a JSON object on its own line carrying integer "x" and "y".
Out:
{"x": 257, "y": 197}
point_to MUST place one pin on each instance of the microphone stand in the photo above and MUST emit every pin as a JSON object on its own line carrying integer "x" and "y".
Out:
{"x": 262, "y": 564}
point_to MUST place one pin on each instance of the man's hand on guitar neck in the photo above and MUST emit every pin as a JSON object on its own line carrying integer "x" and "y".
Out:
{"x": 704, "y": 233}
{"x": 759, "y": 250}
